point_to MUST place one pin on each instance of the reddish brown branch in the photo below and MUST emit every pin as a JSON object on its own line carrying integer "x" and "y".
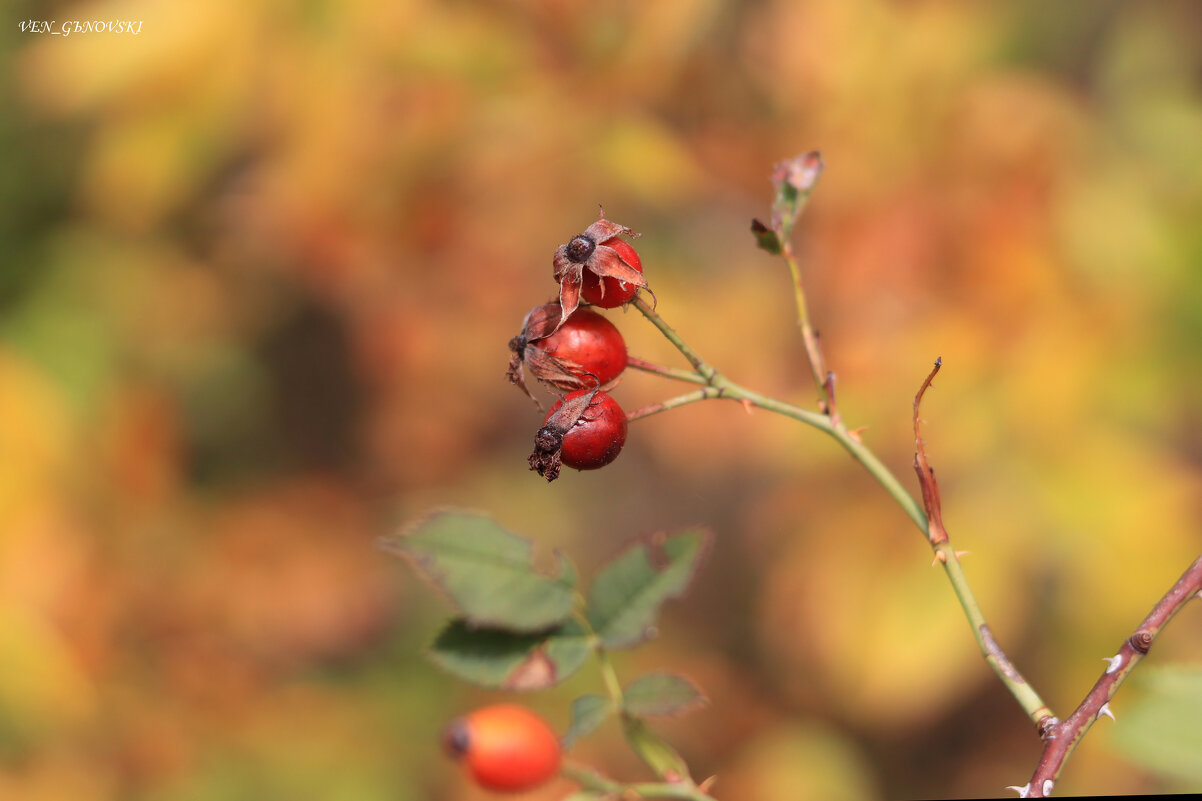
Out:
{"x": 1064, "y": 737}
{"x": 936, "y": 533}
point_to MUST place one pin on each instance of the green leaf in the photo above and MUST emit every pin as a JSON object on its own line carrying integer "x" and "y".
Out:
{"x": 628, "y": 592}
{"x": 588, "y": 712}
{"x": 1162, "y": 729}
{"x": 662, "y": 694}
{"x": 662, "y": 758}
{"x": 487, "y": 571}
{"x": 765, "y": 238}
{"x": 589, "y": 795}
{"x": 509, "y": 660}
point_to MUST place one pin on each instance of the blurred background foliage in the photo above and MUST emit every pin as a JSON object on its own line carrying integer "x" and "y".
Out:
{"x": 260, "y": 265}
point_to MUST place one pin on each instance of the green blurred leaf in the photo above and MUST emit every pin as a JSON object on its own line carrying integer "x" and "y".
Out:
{"x": 662, "y": 694}
{"x": 509, "y": 660}
{"x": 487, "y": 571}
{"x": 658, "y": 754}
{"x": 627, "y": 594}
{"x": 588, "y": 712}
{"x": 1162, "y": 730}
{"x": 588, "y": 795}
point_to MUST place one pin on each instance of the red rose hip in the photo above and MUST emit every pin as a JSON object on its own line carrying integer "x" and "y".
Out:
{"x": 590, "y": 341}
{"x": 504, "y": 747}
{"x": 610, "y": 292}
{"x": 597, "y": 437}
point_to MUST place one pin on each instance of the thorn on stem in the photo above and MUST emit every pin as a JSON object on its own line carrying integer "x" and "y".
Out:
{"x": 1105, "y": 710}
{"x": 1022, "y": 791}
{"x": 1115, "y": 663}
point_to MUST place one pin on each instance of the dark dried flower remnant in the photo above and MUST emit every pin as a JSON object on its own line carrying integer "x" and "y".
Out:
{"x": 586, "y": 251}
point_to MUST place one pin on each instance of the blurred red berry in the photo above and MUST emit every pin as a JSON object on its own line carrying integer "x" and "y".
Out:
{"x": 504, "y": 747}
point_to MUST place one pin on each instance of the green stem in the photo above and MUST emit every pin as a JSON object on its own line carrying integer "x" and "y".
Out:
{"x": 732, "y": 391}
{"x": 610, "y": 677}
{"x": 718, "y": 386}
{"x": 699, "y": 365}
{"x": 808, "y": 337}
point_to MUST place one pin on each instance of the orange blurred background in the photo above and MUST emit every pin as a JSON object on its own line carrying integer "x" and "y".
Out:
{"x": 260, "y": 265}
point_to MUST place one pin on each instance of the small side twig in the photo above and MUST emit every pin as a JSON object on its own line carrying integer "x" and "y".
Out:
{"x": 945, "y": 554}
{"x": 704, "y": 393}
{"x": 936, "y": 533}
{"x": 667, "y": 372}
{"x": 1065, "y": 736}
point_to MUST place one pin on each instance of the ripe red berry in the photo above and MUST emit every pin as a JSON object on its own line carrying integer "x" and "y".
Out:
{"x": 597, "y": 251}
{"x": 504, "y": 747}
{"x": 590, "y": 341}
{"x": 610, "y": 292}
{"x": 598, "y": 435}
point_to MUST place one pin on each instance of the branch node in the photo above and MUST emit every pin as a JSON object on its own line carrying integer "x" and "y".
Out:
{"x": 1047, "y": 727}
{"x": 1141, "y": 640}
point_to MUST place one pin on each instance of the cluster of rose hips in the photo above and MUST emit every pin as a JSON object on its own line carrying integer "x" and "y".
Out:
{"x": 578, "y": 353}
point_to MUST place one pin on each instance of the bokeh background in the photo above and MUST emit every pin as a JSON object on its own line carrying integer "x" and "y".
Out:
{"x": 259, "y": 267}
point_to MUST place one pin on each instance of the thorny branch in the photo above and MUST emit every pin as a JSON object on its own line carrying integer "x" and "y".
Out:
{"x": 1063, "y": 737}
